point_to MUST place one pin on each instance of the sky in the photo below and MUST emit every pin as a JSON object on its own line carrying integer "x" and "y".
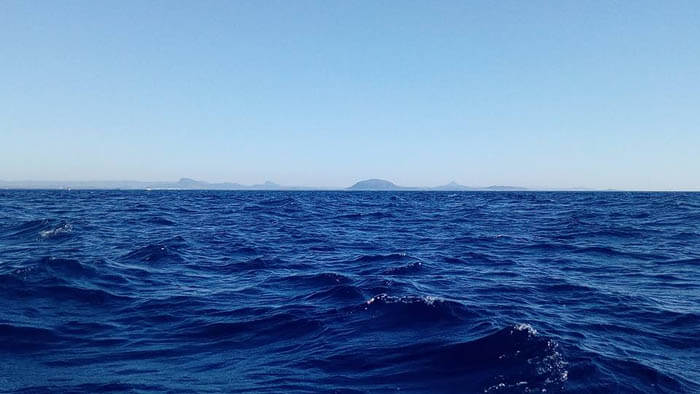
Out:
{"x": 550, "y": 94}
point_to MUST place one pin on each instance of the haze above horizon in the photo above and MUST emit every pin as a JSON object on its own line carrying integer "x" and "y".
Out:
{"x": 534, "y": 94}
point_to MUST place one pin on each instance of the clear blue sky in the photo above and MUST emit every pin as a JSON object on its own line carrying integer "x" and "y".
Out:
{"x": 534, "y": 93}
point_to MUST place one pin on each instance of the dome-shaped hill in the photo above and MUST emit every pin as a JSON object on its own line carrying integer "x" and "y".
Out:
{"x": 374, "y": 184}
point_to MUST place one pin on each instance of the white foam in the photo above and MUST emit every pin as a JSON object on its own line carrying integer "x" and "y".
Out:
{"x": 65, "y": 229}
{"x": 525, "y": 327}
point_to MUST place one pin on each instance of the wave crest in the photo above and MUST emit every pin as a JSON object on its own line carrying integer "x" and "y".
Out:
{"x": 406, "y": 311}
{"x": 166, "y": 250}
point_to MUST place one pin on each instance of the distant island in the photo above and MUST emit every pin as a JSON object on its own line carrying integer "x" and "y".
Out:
{"x": 182, "y": 184}
{"x": 383, "y": 184}
{"x": 375, "y": 184}
{"x": 193, "y": 184}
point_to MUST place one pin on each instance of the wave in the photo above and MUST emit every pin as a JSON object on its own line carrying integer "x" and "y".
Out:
{"x": 169, "y": 250}
{"x": 49, "y": 270}
{"x": 60, "y": 231}
{"x": 597, "y": 372}
{"x": 61, "y": 280}
{"x": 80, "y": 294}
{"x": 16, "y": 338}
{"x": 693, "y": 261}
{"x": 381, "y": 258}
{"x": 344, "y": 293}
{"x": 42, "y": 229}
{"x": 314, "y": 280}
{"x": 526, "y": 361}
{"x": 476, "y": 257}
{"x": 617, "y": 253}
{"x": 370, "y": 215}
{"x": 623, "y": 233}
{"x": 387, "y": 311}
{"x": 257, "y": 264}
{"x": 276, "y": 327}
{"x": 276, "y": 202}
{"x": 595, "y": 250}
{"x": 160, "y": 220}
{"x": 411, "y": 268}
{"x": 114, "y": 387}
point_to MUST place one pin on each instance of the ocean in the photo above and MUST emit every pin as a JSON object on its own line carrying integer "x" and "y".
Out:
{"x": 283, "y": 292}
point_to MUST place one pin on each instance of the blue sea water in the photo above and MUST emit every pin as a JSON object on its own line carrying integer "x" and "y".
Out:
{"x": 210, "y": 291}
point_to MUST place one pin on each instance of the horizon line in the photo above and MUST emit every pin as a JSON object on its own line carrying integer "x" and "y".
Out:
{"x": 185, "y": 183}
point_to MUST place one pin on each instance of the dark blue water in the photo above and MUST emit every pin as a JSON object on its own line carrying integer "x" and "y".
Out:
{"x": 349, "y": 291}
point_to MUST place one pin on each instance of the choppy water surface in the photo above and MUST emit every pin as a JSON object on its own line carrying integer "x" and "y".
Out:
{"x": 349, "y": 291}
